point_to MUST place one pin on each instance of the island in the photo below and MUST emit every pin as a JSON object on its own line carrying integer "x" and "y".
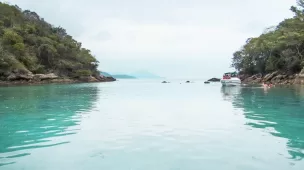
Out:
{"x": 277, "y": 55}
{"x": 32, "y": 51}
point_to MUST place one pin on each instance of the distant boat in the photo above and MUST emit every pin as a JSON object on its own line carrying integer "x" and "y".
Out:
{"x": 207, "y": 82}
{"x": 230, "y": 79}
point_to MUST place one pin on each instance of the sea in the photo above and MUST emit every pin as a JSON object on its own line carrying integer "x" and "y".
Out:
{"x": 149, "y": 125}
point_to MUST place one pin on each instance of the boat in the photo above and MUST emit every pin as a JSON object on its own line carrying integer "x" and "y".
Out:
{"x": 207, "y": 82}
{"x": 230, "y": 79}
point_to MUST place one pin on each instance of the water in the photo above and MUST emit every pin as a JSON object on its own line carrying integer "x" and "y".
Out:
{"x": 136, "y": 125}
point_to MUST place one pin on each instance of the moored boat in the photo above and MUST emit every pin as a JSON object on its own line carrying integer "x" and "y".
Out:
{"x": 230, "y": 79}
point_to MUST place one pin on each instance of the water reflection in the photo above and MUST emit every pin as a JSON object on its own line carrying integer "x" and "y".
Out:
{"x": 279, "y": 112}
{"x": 32, "y": 117}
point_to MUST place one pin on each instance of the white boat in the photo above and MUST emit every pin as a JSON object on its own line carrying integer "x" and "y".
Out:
{"x": 230, "y": 79}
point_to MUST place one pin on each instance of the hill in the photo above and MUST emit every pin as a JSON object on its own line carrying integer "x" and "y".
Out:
{"x": 277, "y": 55}
{"x": 32, "y": 49}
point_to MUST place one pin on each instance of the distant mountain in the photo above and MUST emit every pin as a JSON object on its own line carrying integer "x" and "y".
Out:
{"x": 105, "y": 74}
{"x": 144, "y": 75}
{"x": 135, "y": 75}
{"x": 123, "y": 76}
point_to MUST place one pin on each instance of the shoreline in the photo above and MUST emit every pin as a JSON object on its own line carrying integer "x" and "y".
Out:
{"x": 275, "y": 78}
{"x": 53, "y": 81}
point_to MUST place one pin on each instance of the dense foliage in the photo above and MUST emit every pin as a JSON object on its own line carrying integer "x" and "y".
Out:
{"x": 28, "y": 43}
{"x": 280, "y": 48}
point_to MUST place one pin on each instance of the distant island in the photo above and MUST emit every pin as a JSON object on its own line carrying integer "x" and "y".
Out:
{"x": 142, "y": 74}
{"x": 34, "y": 51}
{"x": 277, "y": 55}
{"x": 123, "y": 76}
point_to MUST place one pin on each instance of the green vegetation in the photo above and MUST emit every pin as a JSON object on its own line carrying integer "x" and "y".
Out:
{"x": 280, "y": 48}
{"x": 30, "y": 44}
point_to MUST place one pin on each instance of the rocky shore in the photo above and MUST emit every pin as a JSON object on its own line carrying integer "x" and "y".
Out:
{"x": 274, "y": 78}
{"x": 32, "y": 79}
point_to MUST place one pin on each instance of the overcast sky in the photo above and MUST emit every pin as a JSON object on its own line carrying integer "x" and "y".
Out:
{"x": 172, "y": 38}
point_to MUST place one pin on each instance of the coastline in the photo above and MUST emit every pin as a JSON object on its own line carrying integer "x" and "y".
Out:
{"x": 275, "y": 78}
{"x": 8, "y": 83}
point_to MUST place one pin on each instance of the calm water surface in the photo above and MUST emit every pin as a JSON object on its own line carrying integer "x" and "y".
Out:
{"x": 146, "y": 125}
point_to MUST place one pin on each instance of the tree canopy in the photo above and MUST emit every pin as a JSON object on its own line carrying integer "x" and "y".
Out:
{"x": 280, "y": 48}
{"x": 28, "y": 43}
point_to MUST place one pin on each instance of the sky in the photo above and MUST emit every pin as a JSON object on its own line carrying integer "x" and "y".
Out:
{"x": 171, "y": 38}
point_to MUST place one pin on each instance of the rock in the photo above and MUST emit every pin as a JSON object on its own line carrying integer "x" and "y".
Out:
{"x": 291, "y": 76}
{"x": 279, "y": 77}
{"x": 164, "y": 82}
{"x": 45, "y": 76}
{"x": 258, "y": 80}
{"x": 301, "y": 75}
{"x": 105, "y": 79}
{"x": 214, "y": 80}
{"x": 20, "y": 76}
{"x": 270, "y": 76}
{"x": 207, "y": 82}
{"x": 88, "y": 79}
{"x": 187, "y": 81}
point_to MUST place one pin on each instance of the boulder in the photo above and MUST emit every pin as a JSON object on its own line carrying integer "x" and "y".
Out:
{"x": 270, "y": 76}
{"x": 88, "y": 79}
{"x": 105, "y": 79}
{"x": 45, "y": 76}
{"x": 291, "y": 76}
{"x": 258, "y": 80}
{"x": 279, "y": 77}
{"x": 20, "y": 76}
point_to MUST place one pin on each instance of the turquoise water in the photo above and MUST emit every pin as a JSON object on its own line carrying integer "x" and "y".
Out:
{"x": 136, "y": 125}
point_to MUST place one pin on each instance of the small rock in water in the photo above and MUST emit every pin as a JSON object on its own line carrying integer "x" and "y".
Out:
{"x": 187, "y": 81}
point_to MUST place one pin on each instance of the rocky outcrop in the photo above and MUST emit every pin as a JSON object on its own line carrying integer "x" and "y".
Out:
{"x": 27, "y": 77}
{"x": 214, "y": 80}
{"x": 20, "y": 76}
{"x": 299, "y": 79}
{"x": 275, "y": 78}
{"x": 50, "y": 76}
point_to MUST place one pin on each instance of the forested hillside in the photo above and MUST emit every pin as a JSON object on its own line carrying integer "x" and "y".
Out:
{"x": 280, "y": 48}
{"x": 30, "y": 45}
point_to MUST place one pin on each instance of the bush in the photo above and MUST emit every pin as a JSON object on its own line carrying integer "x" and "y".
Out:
{"x": 11, "y": 37}
{"x": 80, "y": 73}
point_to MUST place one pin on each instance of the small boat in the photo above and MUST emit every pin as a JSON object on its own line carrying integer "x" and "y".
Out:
{"x": 207, "y": 82}
{"x": 230, "y": 79}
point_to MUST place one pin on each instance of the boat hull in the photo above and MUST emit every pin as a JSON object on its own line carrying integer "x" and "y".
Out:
{"x": 231, "y": 82}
